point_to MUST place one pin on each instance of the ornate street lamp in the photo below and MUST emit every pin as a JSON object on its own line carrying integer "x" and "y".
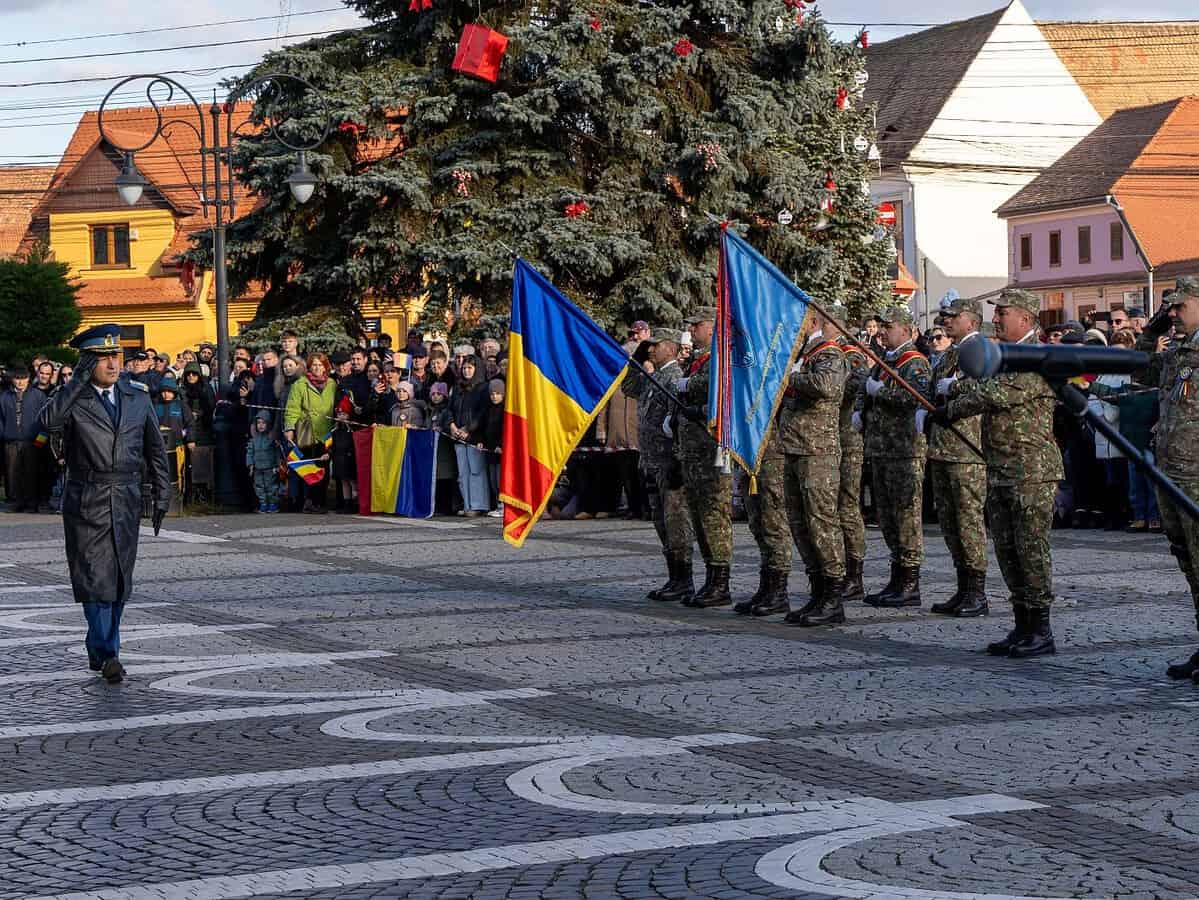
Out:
{"x": 130, "y": 183}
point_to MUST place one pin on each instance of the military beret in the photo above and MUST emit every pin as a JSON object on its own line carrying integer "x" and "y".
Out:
{"x": 666, "y": 334}
{"x": 1186, "y": 286}
{"x": 98, "y": 339}
{"x": 1019, "y": 298}
{"x": 703, "y": 314}
{"x": 963, "y": 304}
{"x": 900, "y": 314}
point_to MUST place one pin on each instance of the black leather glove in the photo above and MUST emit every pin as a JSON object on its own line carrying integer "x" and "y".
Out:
{"x": 939, "y": 417}
{"x": 160, "y": 512}
{"x": 1160, "y": 323}
{"x": 85, "y": 367}
{"x": 692, "y": 414}
{"x": 641, "y": 354}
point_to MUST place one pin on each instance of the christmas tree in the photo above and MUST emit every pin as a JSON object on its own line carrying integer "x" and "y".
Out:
{"x": 613, "y": 140}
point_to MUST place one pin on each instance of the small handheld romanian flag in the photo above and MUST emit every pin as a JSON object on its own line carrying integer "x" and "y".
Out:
{"x": 401, "y": 360}
{"x": 328, "y": 442}
{"x": 308, "y": 469}
{"x": 562, "y": 368}
{"x": 42, "y": 439}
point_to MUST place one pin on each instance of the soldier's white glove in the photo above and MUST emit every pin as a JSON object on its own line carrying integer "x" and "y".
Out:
{"x": 666, "y": 430}
{"x": 797, "y": 368}
{"x": 944, "y": 385}
{"x": 681, "y": 385}
{"x": 921, "y": 415}
{"x": 873, "y": 386}
{"x": 856, "y": 421}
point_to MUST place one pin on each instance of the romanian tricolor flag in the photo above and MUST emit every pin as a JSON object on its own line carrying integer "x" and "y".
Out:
{"x": 328, "y": 442}
{"x": 308, "y": 469}
{"x": 401, "y": 360}
{"x": 562, "y": 368}
{"x": 42, "y": 439}
{"x": 403, "y": 471}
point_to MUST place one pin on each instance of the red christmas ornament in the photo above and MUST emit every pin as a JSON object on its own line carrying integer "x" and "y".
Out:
{"x": 420, "y": 5}
{"x": 577, "y": 209}
{"x": 595, "y": 25}
{"x": 683, "y": 47}
{"x": 480, "y": 52}
{"x": 864, "y": 39}
{"x": 842, "y": 98}
{"x": 829, "y": 184}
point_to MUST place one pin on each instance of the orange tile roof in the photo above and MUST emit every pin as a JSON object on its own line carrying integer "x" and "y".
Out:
{"x": 136, "y": 290}
{"x": 1125, "y": 64}
{"x": 1160, "y": 192}
{"x": 21, "y": 189}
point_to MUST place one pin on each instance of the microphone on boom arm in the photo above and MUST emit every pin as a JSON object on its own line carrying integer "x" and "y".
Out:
{"x": 981, "y": 358}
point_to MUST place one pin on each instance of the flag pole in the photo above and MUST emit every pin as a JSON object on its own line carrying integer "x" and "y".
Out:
{"x": 916, "y": 395}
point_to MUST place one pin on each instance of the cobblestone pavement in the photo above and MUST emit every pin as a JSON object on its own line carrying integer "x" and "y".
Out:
{"x": 345, "y": 707}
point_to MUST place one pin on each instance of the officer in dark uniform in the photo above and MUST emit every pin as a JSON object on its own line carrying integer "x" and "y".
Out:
{"x": 107, "y": 429}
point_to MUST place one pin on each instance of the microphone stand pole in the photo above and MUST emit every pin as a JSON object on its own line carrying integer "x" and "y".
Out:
{"x": 1076, "y": 402}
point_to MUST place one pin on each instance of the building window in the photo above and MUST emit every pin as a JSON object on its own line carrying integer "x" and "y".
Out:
{"x": 1117, "y": 240}
{"x": 1026, "y": 251}
{"x": 110, "y": 246}
{"x": 1055, "y": 248}
{"x": 133, "y": 339}
{"x": 1084, "y": 244}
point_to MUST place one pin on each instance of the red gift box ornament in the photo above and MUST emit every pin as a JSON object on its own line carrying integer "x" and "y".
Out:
{"x": 579, "y": 208}
{"x": 864, "y": 40}
{"x": 480, "y": 52}
{"x": 683, "y": 47}
{"x": 420, "y": 5}
{"x": 842, "y": 98}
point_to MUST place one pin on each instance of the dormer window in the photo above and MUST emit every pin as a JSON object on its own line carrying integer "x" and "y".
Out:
{"x": 110, "y": 246}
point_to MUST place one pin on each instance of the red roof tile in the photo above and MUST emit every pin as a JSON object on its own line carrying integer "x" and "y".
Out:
{"x": 21, "y": 189}
{"x": 136, "y": 290}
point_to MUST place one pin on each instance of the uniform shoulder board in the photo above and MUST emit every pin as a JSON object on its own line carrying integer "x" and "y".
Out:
{"x": 138, "y": 386}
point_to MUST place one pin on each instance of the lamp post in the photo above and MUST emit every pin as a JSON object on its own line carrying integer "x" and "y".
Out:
{"x": 216, "y": 154}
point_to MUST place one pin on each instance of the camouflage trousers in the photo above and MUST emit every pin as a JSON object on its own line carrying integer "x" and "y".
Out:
{"x": 767, "y": 514}
{"x": 813, "y": 486}
{"x": 960, "y": 496}
{"x": 849, "y": 507}
{"x": 709, "y": 493}
{"x": 1183, "y": 534}
{"x": 899, "y": 499}
{"x": 1020, "y": 518}
{"x": 669, "y": 507}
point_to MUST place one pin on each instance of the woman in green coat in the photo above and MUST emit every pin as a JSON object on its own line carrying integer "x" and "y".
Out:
{"x": 306, "y": 421}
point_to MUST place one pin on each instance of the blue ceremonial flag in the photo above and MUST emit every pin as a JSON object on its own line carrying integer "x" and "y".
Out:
{"x": 759, "y": 320}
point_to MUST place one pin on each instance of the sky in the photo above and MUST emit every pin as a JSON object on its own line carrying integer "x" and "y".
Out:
{"x": 36, "y": 121}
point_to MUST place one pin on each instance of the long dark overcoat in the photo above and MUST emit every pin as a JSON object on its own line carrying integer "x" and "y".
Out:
{"x": 102, "y": 501}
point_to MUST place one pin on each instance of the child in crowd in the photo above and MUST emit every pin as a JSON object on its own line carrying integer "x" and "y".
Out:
{"x": 407, "y": 410}
{"x": 493, "y": 437}
{"x": 344, "y": 468}
{"x": 445, "y": 501}
{"x": 263, "y": 456}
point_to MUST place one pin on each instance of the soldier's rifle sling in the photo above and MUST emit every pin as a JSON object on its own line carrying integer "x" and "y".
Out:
{"x": 916, "y": 395}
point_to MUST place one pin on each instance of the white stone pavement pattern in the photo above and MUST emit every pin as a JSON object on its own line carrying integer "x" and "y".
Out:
{"x": 346, "y": 707}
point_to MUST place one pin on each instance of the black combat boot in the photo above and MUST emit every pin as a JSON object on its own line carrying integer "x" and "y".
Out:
{"x": 1184, "y": 670}
{"x": 743, "y": 608}
{"x": 681, "y": 587}
{"x": 653, "y": 595}
{"x": 951, "y": 606}
{"x": 775, "y": 599}
{"x": 815, "y": 591}
{"x": 907, "y": 592}
{"x": 831, "y": 609}
{"x": 889, "y": 590}
{"x": 1003, "y": 647}
{"x": 855, "y": 591}
{"x": 1038, "y": 640}
{"x": 974, "y": 596}
{"x": 704, "y": 588}
{"x": 717, "y": 593}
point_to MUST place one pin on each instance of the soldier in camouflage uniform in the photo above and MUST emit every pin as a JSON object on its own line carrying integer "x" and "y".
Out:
{"x": 661, "y": 469}
{"x": 809, "y": 428}
{"x": 1178, "y": 437}
{"x": 708, "y": 488}
{"x": 896, "y": 450}
{"x": 849, "y": 500}
{"x": 958, "y": 474}
{"x": 766, "y": 511}
{"x": 1023, "y": 468}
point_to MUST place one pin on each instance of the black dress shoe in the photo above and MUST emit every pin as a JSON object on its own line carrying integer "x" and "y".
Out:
{"x": 113, "y": 671}
{"x": 1038, "y": 640}
{"x": 1184, "y": 670}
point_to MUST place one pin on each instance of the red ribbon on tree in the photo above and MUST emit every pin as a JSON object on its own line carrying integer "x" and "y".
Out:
{"x": 842, "y": 98}
{"x": 595, "y": 24}
{"x": 579, "y": 208}
{"x": 419, "y": 5}
{"x": 683, "y": 47}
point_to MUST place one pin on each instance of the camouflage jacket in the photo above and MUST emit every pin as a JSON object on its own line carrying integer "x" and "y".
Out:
{"x": 943, "y": 444}
{"x": 889, "y": 417}
{"x": 694, "y": 442}
{"x": 1017, "y": 425}
{"x": 652, "y": 410}
{"x": 858, "y": 370}
{"x": 810, "y": 415}
{"x": 1178, "y": 422}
